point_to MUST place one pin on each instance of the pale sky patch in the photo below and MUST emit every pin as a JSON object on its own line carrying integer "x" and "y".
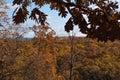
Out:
{"x": 11, "y": 6}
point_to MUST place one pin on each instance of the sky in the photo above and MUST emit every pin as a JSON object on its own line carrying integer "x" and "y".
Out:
{"x": 56, "y": 22}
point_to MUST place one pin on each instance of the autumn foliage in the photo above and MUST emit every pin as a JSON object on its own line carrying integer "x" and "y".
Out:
{"x": 47, "y": 57}
{"x": 29, "y": 59}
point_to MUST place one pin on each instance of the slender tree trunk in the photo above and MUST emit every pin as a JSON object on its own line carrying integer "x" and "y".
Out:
{"x": 71, "y": 56}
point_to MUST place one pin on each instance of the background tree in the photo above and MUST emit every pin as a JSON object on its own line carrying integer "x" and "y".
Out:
{"x": 9, "y": 47}
{"x": 3, "y": 14}
{"x": 16, "y": 31}
{"x": 40, "y": 64}
{"x": 3, "y": 17}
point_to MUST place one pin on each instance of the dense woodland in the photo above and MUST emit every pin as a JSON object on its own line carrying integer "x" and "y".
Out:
{"x": 47, "y": 57}
{"x": 46, "y": 60}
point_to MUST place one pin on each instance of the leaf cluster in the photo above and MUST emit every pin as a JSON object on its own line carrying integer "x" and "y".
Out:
{"x": 103, "y": 21}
